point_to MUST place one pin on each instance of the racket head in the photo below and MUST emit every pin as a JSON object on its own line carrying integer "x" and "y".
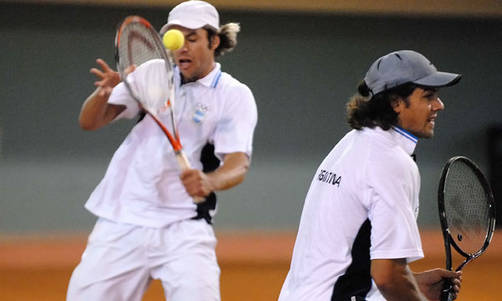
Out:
{"x": 138, "y": 44}
{"x": 466, "y": 209}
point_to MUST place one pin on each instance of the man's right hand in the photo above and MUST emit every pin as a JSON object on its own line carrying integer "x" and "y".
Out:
{"x": 107, "y": 78}
{"x": 96, "y": 112}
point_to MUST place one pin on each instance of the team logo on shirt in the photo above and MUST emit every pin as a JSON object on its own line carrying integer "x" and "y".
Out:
{"x": 329, "y": 177}
{"x": 199, "y": 113}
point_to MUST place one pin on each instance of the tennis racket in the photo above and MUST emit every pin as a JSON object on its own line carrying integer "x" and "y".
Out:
{"x": 467, "y": 213}
{"x": 151, "y": 84}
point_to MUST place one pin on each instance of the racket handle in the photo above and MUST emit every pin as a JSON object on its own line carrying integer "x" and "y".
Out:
{"x": 185, "y": 164}
{"x": 446, "y": 294}
{"x": 183, "y": 160}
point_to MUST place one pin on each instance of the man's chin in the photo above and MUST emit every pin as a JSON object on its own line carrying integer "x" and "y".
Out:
{"x": 425, "y": 135}
{"x": 188, "y": 78}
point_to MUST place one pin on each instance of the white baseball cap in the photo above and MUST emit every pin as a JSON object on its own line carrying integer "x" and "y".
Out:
{"x": 193, "y": 14}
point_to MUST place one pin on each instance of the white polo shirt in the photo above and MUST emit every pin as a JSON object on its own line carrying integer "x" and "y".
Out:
{"x": 141, "y": 185}
{"x": 362, "y": 204}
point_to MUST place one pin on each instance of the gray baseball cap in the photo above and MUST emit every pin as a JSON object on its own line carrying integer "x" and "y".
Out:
{"x": 406, "y": 66}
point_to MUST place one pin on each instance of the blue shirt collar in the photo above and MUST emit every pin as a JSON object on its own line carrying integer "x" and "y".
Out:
{"x": 405, "y": 139}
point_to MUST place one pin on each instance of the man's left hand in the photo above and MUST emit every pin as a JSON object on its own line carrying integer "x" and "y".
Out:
{"x": 196, "y": 183}
{"x": 431, "y": 282}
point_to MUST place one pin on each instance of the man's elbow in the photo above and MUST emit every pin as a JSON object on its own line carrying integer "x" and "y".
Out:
{"x": 394, "y": 279}
{"x": 86, "y": 125}
{"x": 244, "y": 170}
{"x": 240, "y": 167}
{"x": 384, "y": 282}
{"x": 390, "y": 288}
{"x": 384, "y": 273}
{"x": 242, "y": 177}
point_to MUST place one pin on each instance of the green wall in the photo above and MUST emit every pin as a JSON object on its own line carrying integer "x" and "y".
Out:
{"x": 301, "y": 68}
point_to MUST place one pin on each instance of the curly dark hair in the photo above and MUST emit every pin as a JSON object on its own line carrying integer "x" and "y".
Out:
{"x": 367, "y": 110}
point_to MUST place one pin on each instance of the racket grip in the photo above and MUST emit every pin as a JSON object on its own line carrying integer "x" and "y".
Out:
{"x": 185, "y": 164}
{"x": 446, "y": 294}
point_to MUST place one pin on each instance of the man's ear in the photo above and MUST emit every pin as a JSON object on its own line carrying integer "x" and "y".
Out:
{"x": 215, "y": 42}
{"x": 397, "y": 103}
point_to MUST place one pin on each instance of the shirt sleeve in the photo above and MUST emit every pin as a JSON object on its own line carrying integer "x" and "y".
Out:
{"x": 394, "y": 232}
{"x": 120, "y": 96}
{"x": 148, "y": 84}
{"x": 234, "y": 131}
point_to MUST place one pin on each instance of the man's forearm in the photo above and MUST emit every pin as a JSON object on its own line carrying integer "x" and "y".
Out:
{"x": 395, "y": 280}
{"x": 96, "y": 112}
{"x": 231, "y": 173}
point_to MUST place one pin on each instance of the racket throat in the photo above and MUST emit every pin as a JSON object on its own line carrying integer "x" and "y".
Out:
{"x": 182, "y": 160}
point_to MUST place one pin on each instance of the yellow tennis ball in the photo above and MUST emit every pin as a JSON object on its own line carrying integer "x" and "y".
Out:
{"x": 173, "y": 39}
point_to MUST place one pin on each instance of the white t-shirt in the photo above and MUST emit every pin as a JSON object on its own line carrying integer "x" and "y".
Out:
{"x": 141, "y": 185}
{"x": 364, "y": 195}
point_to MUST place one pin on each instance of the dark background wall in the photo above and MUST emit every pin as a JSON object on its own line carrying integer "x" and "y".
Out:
{"x": 301, "y": 67}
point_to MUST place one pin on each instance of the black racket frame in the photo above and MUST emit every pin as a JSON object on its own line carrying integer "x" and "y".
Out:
{"x": 447, "y": 237}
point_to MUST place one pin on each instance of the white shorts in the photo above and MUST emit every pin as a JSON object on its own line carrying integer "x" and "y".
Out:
{"x": 120, "y": 260}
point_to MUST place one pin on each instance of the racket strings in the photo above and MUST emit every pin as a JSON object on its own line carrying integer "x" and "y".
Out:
{"x": 466, "y": 208}
{"x": 152, "y": 83}
{"x": 139, "y": 44}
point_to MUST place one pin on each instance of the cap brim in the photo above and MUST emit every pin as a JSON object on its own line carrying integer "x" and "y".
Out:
{"x": 185, "y": 24}
{"x": 439, "y": 79}
{"x": 164, "y": 29}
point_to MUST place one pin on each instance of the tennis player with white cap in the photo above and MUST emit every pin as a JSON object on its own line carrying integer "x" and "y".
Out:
{"x": 358, "y": 229}
{"x": 148, "y": 227}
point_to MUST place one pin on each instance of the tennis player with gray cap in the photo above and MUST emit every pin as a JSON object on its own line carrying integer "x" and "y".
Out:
{"x": 358, "y": 228}
{"x": 148, "y": 227}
